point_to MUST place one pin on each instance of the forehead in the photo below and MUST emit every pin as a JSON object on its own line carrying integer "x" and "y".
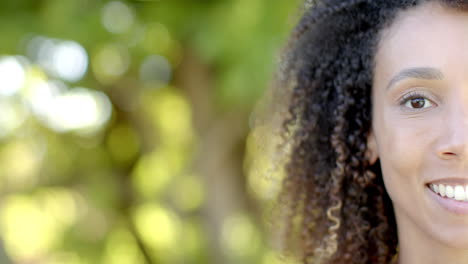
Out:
{"x": 428, "y": 35}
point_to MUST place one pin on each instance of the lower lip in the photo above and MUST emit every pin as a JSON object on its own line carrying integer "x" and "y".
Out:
{"x": 453, "y": 206}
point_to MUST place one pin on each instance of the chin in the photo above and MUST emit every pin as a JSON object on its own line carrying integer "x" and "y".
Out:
{"x": 452, "y": 237}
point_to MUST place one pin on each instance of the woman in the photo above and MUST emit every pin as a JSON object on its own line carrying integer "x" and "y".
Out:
{"x": 377, "y": 125}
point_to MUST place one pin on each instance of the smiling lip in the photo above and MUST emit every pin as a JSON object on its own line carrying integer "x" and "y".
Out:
{"x": 450, "y": 181}
{"x": 451, "y": 205}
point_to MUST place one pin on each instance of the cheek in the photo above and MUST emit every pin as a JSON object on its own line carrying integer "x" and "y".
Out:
{"x": 399, "y": 158}
{"x": 402, "y": 148}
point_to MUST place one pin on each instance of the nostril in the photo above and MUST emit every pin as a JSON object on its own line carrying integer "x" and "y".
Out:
{"x": 454, "y": 148}
{"x": 448, "y": 155}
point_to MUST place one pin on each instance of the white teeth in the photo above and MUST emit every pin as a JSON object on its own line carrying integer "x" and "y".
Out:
{"x": 442, "y": 190}
{"x": 449, "y": 191}
{"x": 466, "y": 193}
{"x": 459, "y": 193}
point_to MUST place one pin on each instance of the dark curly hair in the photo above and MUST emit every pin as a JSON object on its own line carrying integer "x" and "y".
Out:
{"x": 334, "y": 200}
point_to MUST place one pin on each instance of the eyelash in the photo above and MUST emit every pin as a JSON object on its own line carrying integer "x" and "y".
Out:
{"x": 411, "y": 96}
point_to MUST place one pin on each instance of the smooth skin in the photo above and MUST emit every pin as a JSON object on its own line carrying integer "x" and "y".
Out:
{"x": 420, "y": 127}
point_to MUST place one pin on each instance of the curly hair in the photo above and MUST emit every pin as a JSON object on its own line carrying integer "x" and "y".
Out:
{"x": 337, "y": 209}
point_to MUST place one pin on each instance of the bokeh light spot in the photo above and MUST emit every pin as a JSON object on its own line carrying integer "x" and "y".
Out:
{"x": 153, "y": 173}
{"x": 239, "y": 236}
{"x": 70, "y": 61}
{"x": 149, "y": 216}
{"x": 64, "y": 59}
{"x": 117, "y": 17}
{"x": 110, "y": 62}
{"x": 157, "y": 69}
{"x": 121, "y": 248}
{"x": 28, "y": 231}
{"x": 12, "y": 76}
{"x": 172, "y": 115}
{"x": 157, "y": 39}
{"x": 20, "y": 162}
{"x": 192, "y": 190}
{"x": 12, "y": 116}
{"x": 40, "y": 94}
{"x": 79, "y": 109}
{"x": 59, "y": 204}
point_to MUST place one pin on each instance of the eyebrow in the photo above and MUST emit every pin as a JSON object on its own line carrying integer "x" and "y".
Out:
{"x": 425, "y": 73}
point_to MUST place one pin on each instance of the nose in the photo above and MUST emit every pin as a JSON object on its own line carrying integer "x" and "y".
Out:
{"x": 454, "y": 144}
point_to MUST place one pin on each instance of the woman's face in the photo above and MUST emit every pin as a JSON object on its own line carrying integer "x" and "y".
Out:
{"x": 420, "y": 122}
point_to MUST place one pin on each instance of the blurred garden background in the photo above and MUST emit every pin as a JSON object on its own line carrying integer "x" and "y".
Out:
{"x": 124, "y": 128}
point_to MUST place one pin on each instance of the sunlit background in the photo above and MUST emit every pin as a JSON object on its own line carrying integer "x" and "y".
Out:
{"x": 124, "y": 127}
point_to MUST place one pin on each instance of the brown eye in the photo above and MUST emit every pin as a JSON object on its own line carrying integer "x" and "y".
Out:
{"x": 417, "y": 103}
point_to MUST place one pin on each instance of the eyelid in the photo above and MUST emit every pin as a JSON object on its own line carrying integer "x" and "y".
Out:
{"x": 417, "y": 91}
{"x": 411, "y": 95}
{"x": 416, "y": 94}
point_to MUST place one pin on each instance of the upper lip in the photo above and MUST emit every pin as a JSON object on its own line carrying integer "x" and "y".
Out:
{"x": 450, "y": 181}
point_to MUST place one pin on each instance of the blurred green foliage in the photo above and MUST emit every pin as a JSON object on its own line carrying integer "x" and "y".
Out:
{"x": 124, "y": 127}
